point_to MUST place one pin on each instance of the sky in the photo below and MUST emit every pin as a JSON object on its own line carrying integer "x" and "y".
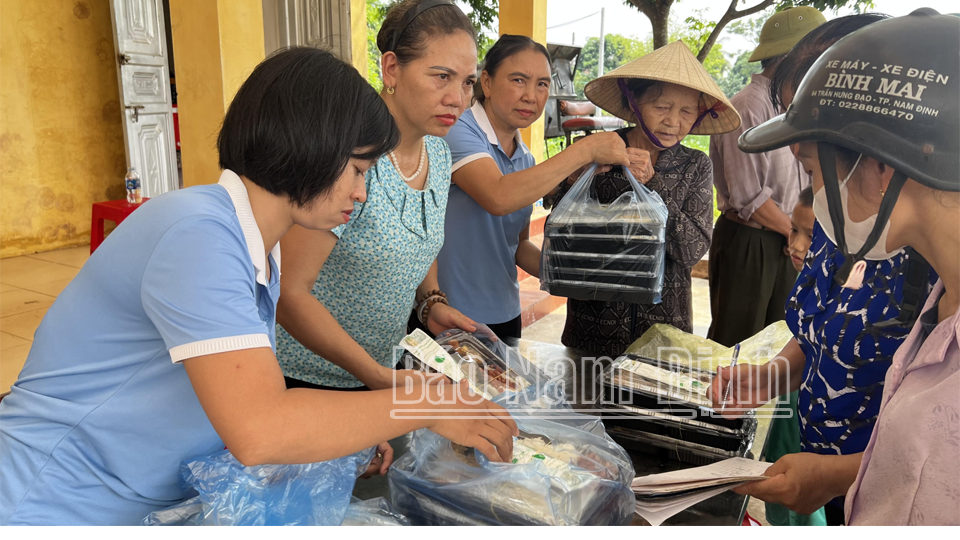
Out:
{"x": 627, "y": 21}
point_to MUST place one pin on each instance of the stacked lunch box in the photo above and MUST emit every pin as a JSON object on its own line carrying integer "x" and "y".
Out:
{"x": 659, "y": 407}
{"x": 592, "y": 259}
{"x": 609, "y": 252}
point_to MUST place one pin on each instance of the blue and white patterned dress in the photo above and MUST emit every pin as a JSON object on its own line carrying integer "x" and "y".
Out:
{"x": 371, "y": 277}
{"x": 847, "y": 353}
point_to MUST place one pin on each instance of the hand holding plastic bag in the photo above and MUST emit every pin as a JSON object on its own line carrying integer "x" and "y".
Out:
{"x": 613, "y": 252}
{"x": 575, "y": 475}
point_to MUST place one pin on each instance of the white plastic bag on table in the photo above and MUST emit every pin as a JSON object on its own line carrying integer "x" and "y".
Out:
{"x": 581, "y": 477}
{"x": 230, "y": 494}
{"x": 613, "y": 252}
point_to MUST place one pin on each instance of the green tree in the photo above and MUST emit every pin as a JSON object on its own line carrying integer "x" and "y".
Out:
{"x": 740, "y": 71}
{"x": 484, "y": 14}
{"x": 617, "y": 51}
{"x": 658, "y": 11}
{"x": 739, "y": 74}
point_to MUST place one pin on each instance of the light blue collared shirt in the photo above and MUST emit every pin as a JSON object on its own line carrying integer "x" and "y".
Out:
{"x": 477, "y": 265}
{"x": 103, "y": 413}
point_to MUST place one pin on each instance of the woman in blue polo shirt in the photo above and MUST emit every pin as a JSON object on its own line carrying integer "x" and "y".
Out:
{"x": 161, "y": 349}
{"x": 496, "y": 180}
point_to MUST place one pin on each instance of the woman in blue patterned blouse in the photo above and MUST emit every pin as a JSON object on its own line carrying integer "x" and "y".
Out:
{"x": 845, "y": 338}
{"x": 346, "y": 295}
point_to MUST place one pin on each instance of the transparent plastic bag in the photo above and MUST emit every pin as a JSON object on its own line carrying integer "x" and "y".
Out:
{"x": 373, "y": 512}
{"x": 230, "y": 494}
{"x": 664, "y": 342}
{"x": 612, "y": 252}
{"x": 578, "y": 477}
{"x": 494, "y": 370}
{"x": 188, "y": 512}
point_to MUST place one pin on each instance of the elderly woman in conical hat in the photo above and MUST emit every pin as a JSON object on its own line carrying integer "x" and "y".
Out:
{"x": 667, "y": 95}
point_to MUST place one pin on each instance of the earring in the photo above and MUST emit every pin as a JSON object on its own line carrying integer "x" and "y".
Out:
{"x": 882, "y": 192}
{"x": 391, "y": 90}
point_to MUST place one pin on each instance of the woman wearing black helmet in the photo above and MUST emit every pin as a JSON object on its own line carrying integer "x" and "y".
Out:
{"x": 876, "y": 120}
{"x": 844, "y": 339}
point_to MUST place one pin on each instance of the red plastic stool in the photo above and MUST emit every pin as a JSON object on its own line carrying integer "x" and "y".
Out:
{"x": 115, "y": 211}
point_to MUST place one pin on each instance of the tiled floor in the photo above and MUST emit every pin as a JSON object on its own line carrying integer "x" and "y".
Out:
{"x": 28, "y": 286}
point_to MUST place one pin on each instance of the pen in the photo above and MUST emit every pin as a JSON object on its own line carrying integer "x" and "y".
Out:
{"x": 733, "y": 365}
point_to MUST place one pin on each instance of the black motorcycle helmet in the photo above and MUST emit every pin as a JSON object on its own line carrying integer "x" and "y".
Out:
{"x": 888, "y": 91}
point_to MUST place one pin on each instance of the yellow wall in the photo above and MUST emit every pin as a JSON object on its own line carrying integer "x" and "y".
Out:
{"x": 61, "y": 137}
{"x": 216, "y": 44}
{"x": 358, "y": 35}
{"x": 527, "y": 18}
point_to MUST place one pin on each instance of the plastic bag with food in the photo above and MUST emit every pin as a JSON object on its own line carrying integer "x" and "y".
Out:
{"x": 493, "y": 369}
{"x": 667, "y": 343}
{"x": 613, "y": 252}
{"x": 563, "y": 472}
{"x": 373, "y": 512}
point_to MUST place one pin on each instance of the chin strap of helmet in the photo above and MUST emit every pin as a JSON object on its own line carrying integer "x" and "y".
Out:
{"x": 828, "y": 167}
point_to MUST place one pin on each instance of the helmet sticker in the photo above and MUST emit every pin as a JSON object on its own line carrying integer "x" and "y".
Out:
{"x": 885, "y": 89}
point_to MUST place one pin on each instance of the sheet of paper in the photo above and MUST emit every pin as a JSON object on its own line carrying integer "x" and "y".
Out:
{"x": 655, "y": 515}
{"x": 687, "y": 486}
{"x": 734, "y": 469}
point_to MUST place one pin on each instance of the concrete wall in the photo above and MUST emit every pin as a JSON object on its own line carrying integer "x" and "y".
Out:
{"x": 61, "y": 138}
{"x": 527, "y": 18}
{"x": 216, "y": 44}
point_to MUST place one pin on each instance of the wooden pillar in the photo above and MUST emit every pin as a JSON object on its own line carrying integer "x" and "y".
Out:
{"x": 527, "y": 18}
{"x": 216, "y": 44}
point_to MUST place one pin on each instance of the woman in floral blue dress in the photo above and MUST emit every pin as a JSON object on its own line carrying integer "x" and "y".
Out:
{"x": 346, "y": 296}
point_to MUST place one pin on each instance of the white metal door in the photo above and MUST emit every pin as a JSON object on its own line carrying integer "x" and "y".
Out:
{"x": 144, "y": 78}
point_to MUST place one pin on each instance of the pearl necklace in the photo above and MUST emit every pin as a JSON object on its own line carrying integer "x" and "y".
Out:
{"x": 396, "y": 163}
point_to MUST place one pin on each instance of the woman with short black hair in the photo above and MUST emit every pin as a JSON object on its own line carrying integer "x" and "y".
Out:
{"x": 162, "y": 348}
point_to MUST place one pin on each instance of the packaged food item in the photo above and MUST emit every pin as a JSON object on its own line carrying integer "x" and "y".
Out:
{"x": 573, "y": 474}
{"x": 611, "y": 252}
{"x": 430, "y": 355}
{"x": 666, "y": 342}
{"x": 461, "y": 355}
{"x": 662, "y": 407}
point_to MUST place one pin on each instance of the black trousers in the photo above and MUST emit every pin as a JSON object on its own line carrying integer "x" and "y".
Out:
{"x": 509, "y": 329}
{"x": 750, "y": 281}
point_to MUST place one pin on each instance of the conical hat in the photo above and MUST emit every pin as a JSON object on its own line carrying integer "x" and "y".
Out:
{"x": 673, "y": 63}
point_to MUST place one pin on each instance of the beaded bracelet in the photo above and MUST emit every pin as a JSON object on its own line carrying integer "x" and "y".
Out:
{"x": 434, "y": 292}
{"x": 424, "y": 310}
